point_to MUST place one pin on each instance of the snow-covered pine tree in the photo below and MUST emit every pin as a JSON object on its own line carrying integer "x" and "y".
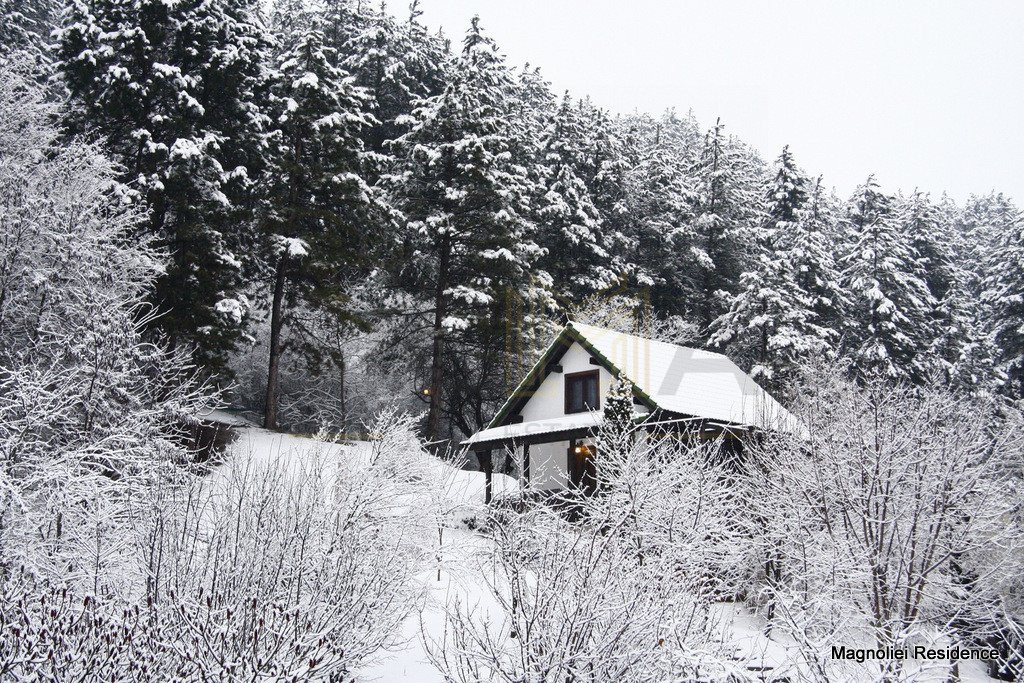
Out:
{"x": 603, "y": 167}
{"x": 25, "y": 27}
{"x": 535, "y": 100}
{"x": 727, "y": 209}
{"x": 288, "y": 19}
{"x": 343, "y": 20}
{"x": 320, "y": 211}
{"x": 890, "y": 305}
{"x": 814, "y": 244}
{"x": 772, "y": 318}
{"x": 570, "y": 229}
{"x": 932, "y": 241}
{"x": 787, "y": 193}
{"x": 975, "y": 227}
{"x": 660, "y": 210}
{"x": 608, "y": 164}
{"x": 998, "y": 222}
{"x": 176, "y": 92}
{"x": 618, "y": 427}
{"x": 468, "y": 246}
{"x": 962, "y": 351}
{"x": 398, "y": 63}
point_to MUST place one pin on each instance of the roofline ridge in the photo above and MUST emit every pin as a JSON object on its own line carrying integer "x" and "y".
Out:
{"x": 657, "y": 341}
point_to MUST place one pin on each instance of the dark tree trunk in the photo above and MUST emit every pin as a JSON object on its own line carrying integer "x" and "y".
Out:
{"x": 341, "y": 374}
{"x": 487, "y": 465}
{"x": 773, "y": 572}
{"x": 276, "y": 324}
{"x": 436, "y": 355}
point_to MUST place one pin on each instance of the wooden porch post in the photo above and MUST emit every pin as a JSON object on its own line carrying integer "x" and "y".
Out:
{"x": 526, "y": 462}
{"x": 487, "y": 466}
{"x": 570, "y": 465}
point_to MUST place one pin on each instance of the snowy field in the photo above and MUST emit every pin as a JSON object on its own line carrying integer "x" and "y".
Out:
{"x": 458, "y": 566}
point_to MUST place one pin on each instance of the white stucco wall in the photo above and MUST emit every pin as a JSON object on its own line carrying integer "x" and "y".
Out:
{"x": 549, "y": 399}
{"x": 549, "y": 461}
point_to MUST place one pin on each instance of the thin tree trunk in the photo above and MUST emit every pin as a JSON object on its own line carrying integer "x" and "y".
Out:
{"x": 769, "y": 570}
{"x": 342, "y": 411}
{"x": 440, "y": 311}
{"x": 276, "y": 324}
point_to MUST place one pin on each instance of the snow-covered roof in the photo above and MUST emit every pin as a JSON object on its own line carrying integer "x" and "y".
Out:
{"x": 521, "y": 430}
{"x": 678, "y": 379}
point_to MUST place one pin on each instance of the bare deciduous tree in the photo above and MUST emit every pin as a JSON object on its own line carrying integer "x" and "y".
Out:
{"x": 891, "y": 524}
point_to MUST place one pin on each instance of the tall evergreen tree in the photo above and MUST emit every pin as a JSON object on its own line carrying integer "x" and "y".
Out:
{"x": 929, "y": 235}
{"x": 320, "y": 210}
{"x": 813, "y": 244}
{"x": 288, "y": 19}
{"x": 576, "y": 253}
{"x": 772, "y": 318}
{"x": 605, "y": 166}
{"x": 890, "y": 305}
{"x": 176, "y": 91}
{"x": 663, "y": 243}
{"x": 397, "y": 63}
{"x": 964, "y": 354}
{"x": 1000, "y": 223}
{"x": 25, "y": 25}
{"x": 726, "y": 211}
{"x": 469, "y": 245}
{"x": 956, "y": 334}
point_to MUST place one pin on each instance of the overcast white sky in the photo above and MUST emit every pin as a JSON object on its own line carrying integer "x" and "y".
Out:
{"x": 925, "y": 93}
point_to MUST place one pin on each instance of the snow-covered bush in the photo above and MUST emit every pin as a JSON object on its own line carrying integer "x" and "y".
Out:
{"x": 86, "y": 400}
{"x": 297, "y": 568}
{"x": 891, "y": 525}
{"x": 676, "y": 501}
{"x": 116, "y": 562}
{"x": 620, "y": 593}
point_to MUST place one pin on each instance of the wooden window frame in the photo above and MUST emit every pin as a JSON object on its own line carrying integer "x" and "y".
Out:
{"x": 572, "y": 376}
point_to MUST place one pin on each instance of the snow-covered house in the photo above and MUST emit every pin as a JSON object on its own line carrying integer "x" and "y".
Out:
{"x": 548, "y": 422}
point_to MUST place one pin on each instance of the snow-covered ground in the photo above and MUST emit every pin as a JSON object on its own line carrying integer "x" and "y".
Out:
{"x": 461, "y": 562}
{"x": 228, "y": 418}
{"x": 463, "y": 553}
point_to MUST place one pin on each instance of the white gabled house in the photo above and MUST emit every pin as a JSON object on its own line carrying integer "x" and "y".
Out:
{"x": 549, "y": 421}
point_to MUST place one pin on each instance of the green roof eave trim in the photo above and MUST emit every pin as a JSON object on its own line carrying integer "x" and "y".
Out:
{"x": 573, "y": 335}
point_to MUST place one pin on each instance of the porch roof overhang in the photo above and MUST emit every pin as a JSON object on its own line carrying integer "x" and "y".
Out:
{"x": 580, "y": 425}
{"x": 535, "y": 431}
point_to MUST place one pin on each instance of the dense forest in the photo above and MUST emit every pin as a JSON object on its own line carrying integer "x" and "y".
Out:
{"x": 354, "y": 207}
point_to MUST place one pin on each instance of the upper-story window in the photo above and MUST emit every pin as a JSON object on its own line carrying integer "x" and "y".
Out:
{"x": 582, "y": 392}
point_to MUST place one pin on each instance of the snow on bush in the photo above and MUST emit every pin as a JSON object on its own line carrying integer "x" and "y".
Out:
{"x": 894, "y": 524}
{"x": 619, "y": 589}
{"x": 86, "y": 400}
{"x": 117, "y": 561}
{"x": 294, "y": 568}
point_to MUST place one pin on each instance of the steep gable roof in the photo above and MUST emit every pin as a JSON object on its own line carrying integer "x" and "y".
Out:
{"x": 676, "y": 379}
